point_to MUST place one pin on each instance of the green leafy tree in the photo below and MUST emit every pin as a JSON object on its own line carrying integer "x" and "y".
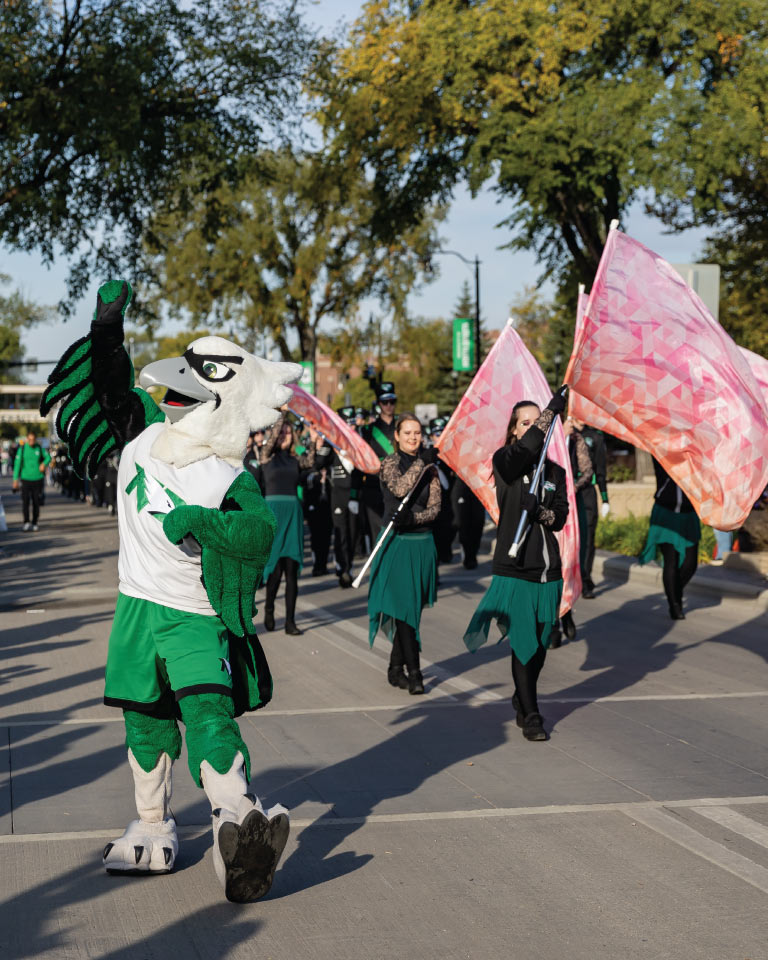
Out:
{"x": 570, "y": 110}
{"x": 17, "y": 314}
{"x": 291, "y": 249}
{"x": 105, "y": 103}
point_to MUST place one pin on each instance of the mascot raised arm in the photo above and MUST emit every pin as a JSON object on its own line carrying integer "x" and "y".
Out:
{"x": 195, "y": 535}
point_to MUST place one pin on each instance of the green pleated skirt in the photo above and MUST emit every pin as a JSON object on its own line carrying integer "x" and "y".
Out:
{"x": 289, "y": 536}
{"x": 403, "y": 582}
{"x": 682, "y": 530}
{"x": 524, "y": 611}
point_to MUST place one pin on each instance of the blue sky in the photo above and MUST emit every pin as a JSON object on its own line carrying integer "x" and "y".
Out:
{"x": 469, "y": 229}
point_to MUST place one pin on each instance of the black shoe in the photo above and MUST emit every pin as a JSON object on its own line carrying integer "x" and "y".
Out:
{"x": 415, "y": 682}
{"x": 520, "y": 717}
{"x": 319, "y": 571}
{"x": 397, "y": 677}
{"x": 345, "y": 580}
{"x": 676, "y": 611}
{"x": 269, "y": 619}
{"x": 587, "y": 593}
{"x": 470, "y": 563}
{"x": 292, "y": 630}
{"x": 533, "y": 727}
{"x": 569, "y": 627}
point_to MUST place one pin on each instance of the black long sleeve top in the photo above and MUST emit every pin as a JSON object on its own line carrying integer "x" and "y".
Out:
{"x": 513, "y": 467}
{"x": 668, "y": 494}
{"x": 399, "y": 472}
{"x": 282, "y": 471}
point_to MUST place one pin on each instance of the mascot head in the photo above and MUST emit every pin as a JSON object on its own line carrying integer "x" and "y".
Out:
{"x": 217, "y": 393}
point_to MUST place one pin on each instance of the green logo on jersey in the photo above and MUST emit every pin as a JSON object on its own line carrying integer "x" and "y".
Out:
{"x": 146, "y": 486}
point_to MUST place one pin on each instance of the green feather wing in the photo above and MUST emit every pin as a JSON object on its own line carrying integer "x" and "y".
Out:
{"x": 81, "y": 421}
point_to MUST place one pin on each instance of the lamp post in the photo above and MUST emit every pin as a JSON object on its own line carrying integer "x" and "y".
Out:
{"x": 476, "y": 264}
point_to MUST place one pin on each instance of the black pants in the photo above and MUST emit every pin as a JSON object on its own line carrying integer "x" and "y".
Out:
{"x": 676, "y": 575}
{"x": 526, "y": 677}
{"x": 444, "y": 531}
{"x": 589, "y": 500}
{"x": 374, "y": 514}
{"x": 31, "y": 492}
{"x": 405, "y": 647}
{"x": 343, "y": 530}
{"x": 319, "y": 522}
{"x": 291, "y": 569}
{"x": 469, "y": 516}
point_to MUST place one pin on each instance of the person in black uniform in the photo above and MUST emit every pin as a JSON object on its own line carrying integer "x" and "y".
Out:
{"x": 674, "y": 533}
{"x": 380, "y": 436}
{"x": 343, "y": 480}
{"x": 444, "y": 529}
{"x": 525, "y": 591}
{"x": 598, "y": 454}
{"x": 469, "y": 516}
{"x": 317, "y": 512}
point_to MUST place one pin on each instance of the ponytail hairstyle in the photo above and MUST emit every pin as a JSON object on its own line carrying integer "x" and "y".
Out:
{"x": 515, "y": 416}
{"x": 404, "y": 418}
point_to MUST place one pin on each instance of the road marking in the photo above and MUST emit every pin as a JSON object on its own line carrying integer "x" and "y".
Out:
{"x": 640, "y": 812}
{"x": 613, "y": 698}
{"x": 736, "y": 823}
{"x": 669, "y": 826}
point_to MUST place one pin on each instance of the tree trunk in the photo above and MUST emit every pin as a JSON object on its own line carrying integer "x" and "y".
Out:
{"x": 643, "y": 465}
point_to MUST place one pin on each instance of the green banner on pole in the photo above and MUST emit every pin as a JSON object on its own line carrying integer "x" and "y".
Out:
{"x": 463, "y": 344}
{"x": 307, "y": 379}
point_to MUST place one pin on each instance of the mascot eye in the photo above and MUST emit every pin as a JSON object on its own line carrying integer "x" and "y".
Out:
{"x": 215, "y": 371}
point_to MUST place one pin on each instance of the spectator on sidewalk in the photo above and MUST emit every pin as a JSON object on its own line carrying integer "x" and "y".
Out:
{"x": 28, "y": 471}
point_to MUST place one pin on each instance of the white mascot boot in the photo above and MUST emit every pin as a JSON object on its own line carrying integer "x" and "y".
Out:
{"x": 247, "y": 841}
{"x": 149, "y": 844}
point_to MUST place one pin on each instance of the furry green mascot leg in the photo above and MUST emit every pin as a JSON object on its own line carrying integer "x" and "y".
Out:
{"x": 149, "y": 844}
{"x": 242, "y": 830}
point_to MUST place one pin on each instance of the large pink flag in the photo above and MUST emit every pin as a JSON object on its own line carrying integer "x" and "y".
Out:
{"x": 478, "y": 427}
{"x": 668, "y": 378}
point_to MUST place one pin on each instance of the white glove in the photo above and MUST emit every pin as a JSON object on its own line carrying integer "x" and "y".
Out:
{"x": 345, "y": 461}
{"x": 354, "y": 507}
{"x": 605, "y": 509}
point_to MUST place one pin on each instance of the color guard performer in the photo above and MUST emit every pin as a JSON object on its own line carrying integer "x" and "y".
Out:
{"x": 404, "y": 571}
{"x": 379, "y": 435}
{"x": 524, "y": 594}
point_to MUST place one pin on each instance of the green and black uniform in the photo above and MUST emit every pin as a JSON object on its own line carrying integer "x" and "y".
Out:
{"x": 26, "y": 468}
{"x": 404, "y": 571}
{"x": 380, "y": 437}
{"x": 524, "y": 593}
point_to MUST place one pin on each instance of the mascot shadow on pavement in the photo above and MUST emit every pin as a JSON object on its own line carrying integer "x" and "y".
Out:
{"x": 195, "y": 535}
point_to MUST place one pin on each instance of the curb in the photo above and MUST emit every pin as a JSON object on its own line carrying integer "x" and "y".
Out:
{"x": 715, "y": 582}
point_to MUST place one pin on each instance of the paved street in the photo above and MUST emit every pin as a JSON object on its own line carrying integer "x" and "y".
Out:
{"x": 422, "y": 827}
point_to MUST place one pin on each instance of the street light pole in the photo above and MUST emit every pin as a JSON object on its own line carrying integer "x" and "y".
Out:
{"x": 476, "y": 264}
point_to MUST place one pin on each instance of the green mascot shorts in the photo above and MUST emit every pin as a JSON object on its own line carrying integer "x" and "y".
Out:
{"x": 157, "y": 653}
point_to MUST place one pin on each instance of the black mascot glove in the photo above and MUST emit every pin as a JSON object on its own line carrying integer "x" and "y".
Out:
{"x": 111, "y": 302}
{"x": 403, "y": 518}
{"x": 557, "y": 403}
{"x": 531, "y": 504}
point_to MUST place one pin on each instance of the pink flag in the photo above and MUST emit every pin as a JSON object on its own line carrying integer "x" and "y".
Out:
{"x": 329, "y": 423}
{"x": 478, "y": 427}
{"x": 668, "y": 378}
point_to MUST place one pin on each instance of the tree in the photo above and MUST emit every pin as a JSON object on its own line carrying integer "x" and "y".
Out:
{"x": 17, "y": 314}
{"x": 104, "y": 103}
{"x": 287, "y": 253}
{"x": 570, "y": 110}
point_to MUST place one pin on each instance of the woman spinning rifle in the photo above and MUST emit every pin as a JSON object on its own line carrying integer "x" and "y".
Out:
{"x": 281, "y": 471}
{"x": 524, "y": 593}
{"x": 404, "y": 571}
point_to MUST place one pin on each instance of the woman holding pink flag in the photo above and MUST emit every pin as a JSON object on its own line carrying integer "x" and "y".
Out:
{"x": 524, "y": 594}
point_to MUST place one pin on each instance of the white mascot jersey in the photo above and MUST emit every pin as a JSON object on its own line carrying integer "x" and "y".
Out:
{"x": 150, "y": 567}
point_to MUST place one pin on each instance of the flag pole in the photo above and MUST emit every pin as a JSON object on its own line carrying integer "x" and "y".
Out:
{"x": 524, "y": 518}
{"x": 359, "y": 578}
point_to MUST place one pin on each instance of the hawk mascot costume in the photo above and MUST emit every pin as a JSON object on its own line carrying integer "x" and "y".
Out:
{"x": 195, "y": 535}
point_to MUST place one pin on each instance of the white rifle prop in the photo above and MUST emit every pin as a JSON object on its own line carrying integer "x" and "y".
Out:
{"x": 522, "y": 526}
{"x": 380, "y": 543}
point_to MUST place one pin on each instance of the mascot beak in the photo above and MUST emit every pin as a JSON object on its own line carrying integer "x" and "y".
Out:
{"x": 185, "y": 392}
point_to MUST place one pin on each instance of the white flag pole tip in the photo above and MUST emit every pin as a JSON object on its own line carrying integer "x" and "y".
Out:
{"x": 614, "y": 225}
